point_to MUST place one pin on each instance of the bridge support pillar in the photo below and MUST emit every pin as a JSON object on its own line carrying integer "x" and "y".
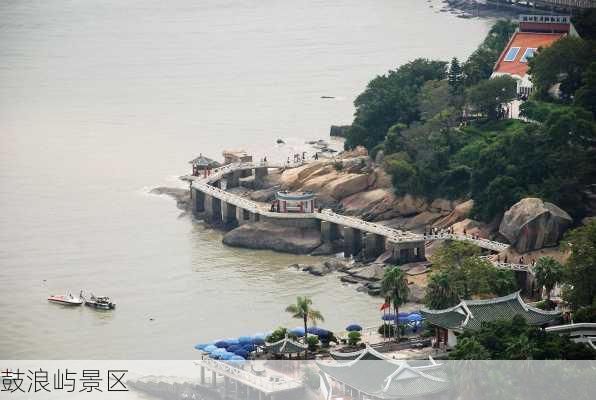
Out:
{"x": 212, "y": 209}
{"x": 352, "y": 241}
{"x": 261, "y": 172}
{"x": 233, "y": 179}
{"x": 213, "y": 379}
{"x": 408, "y": 252}
{"x": 329, "y": 231}
{"x": 228, "y": 213}
{"x": 253, "y": 217}
{"x": 202, "y": 375}
{"x": 198, "y": 200}
{"x": 374, "y": 245}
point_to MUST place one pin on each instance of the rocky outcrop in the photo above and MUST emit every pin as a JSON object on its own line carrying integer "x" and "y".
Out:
{"x": 346, "y": 185}
{"x": 264, "y": 195}
{"x": 182, "y": 196}
{"x": 531, "y": 224}
{"x": 264, "y": 235}
{"x": 339, "y": 130}
{"x": 473, "y": 227}
{"x": 459, "y": 213}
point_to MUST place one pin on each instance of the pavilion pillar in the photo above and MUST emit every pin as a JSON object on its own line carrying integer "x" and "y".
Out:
{"x": 329, "y": 231}
{"x": 228, "y": 213}
{"x": 212, "y": 209}
{"x": 198, "y": 200}
{"x": 213, "y": 379}
{"x": 374, "y": 245}
{"x": 352, "y": 241}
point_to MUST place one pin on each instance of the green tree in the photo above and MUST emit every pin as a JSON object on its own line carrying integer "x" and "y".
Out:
{"x": 585, "y": 96}
{"x": 455, "y": 78}
{"x": 580, "y": 267}
{"x": 562, "y": 63}
{"x": 434, "y": 98}
{"x": 441, "y": 292}
{"x": 453, "y": 253}
{"x": 548, "y": 272}
{"x": 404, "y": 175}
{"x": 488, "y": 96}
{"x": 469, "y": 349}
{"x": 303, "y": 310}
{"x": 394, "y": 287}
{"x": 479, "y": 65}
{"x": 389, "y": 99}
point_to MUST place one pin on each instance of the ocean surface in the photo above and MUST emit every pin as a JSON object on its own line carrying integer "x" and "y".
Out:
{"x": 100, "y": 101}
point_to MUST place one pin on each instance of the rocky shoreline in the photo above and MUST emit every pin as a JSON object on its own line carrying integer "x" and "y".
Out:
{"x": 353, "y": 184}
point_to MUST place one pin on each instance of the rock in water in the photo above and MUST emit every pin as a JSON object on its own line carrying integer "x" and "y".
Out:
{"x": 531, "y": 224}
{"x": 264, "y": 235}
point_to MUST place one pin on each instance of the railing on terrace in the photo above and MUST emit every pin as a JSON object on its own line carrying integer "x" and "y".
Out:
{"x": 392, "y": 235}
{"x": 266, "y": 383}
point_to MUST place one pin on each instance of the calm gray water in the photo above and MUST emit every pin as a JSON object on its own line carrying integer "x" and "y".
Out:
{"x": 102, "y": 100}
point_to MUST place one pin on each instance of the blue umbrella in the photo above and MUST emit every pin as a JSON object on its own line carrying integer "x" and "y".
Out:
{"x": 297, "y": 331}
{"x": 245, "y": 339}
{"x": 258, "y": 340}
{"x": 201, "y": 346}
{"x": 221, "y": 343}
{"x": 414, "y": 317}
{"x": 210, "y": 348}
{"x": 248, "y": 348}
{"x": 227, "y": 356}
{"x": 232, "y": 341}
{"x": 401, "y": 317}
{"x": 353, "y": 328}
{"x": 320, "y": 332}
{"x": 241, "y": 353}
{"x": 234, "y": 347}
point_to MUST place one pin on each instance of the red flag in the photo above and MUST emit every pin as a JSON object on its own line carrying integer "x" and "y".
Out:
{"x": 384, "y": 306}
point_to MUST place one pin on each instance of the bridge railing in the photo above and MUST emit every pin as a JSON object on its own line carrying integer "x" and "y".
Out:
{"x": 392, "y": 235}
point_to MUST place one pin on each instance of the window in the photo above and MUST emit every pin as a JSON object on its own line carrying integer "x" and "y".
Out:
{"x": 511, "y": 54}
{"x": 529, "y": 53}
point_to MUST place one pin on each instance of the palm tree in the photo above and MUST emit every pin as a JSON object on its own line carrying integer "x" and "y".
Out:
{"x": 302, "y": 310}
{"x": 394, "y": 287}
{"x": 548, "y": 272}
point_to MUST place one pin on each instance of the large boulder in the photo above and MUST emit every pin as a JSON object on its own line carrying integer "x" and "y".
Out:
{"x": 409, "y": 205}
{"x": 371, "y": 203}
{"x": 293, "y": 178}
{"x": 459, "y": 213}
{"x": 531, "y": 224}
{"x": 345, "y": 185}
{"x": 264, "y": 235}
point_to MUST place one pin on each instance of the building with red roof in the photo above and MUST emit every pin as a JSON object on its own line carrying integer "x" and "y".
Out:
{"x": 535, "y": 32}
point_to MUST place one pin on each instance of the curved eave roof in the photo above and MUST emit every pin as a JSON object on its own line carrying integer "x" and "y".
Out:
{"x": 470, "y": 314}
{"x": 285, "y": 346}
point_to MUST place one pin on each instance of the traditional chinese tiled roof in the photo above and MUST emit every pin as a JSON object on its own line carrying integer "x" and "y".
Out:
{"x": 389, "y": 379}
{"x": 470, "y": 314}
{"x": 368, "y": 353}
{"x": 523, "y": 41}
{"x": 203, "y": 161}
{"x": 285, "y": 346}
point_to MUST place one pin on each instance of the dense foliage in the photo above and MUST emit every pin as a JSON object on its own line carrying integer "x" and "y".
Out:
{"x": 580, "y": 268}
{"x": 460, "y": 274}
{"x": 443, "y": 132}
{"x": 516, "y": 340}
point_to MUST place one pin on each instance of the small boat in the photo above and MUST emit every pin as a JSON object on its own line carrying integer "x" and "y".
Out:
{"x": 101, "y": 302}
{"x": 68, "y": 300}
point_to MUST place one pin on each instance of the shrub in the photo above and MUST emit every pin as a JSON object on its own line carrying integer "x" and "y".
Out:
{"x": 585, "y": 314}
{"x": 338, "y": 165}
{"x": 312, "y": 341}
{"x": 354, "y": 338}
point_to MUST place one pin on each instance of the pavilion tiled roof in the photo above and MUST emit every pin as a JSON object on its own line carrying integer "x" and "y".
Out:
{"x": 389, "y": 379}
{"x": 285, "y": 346}
{"x": 470, "y": 314}
{"x": 523, "y": 41}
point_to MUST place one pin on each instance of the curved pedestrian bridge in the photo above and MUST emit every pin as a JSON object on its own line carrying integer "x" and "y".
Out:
{"x": 209, "y": 195}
